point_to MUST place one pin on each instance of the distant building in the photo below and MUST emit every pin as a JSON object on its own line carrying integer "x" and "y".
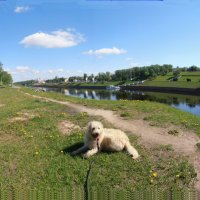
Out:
{"x": 75, "y": 80}
{"x": 40, "y": 81}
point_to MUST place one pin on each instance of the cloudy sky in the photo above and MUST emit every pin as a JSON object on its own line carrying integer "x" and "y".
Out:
{"x": 48, "y": 38}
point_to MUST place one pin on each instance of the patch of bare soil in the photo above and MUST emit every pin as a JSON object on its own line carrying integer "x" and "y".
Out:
{"x": 8, "y": 138}
{"x": 23, "y": 116}
{"x": 1, "y": 105}
{"x": 184, "y": 143}
{"x": 66, "y": 127}
{"x": 12, "y": 167}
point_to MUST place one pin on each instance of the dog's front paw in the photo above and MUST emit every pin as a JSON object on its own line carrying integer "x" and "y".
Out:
{"x": 86, "y": 155}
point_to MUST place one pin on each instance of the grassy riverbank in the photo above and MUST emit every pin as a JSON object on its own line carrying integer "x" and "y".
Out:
{"x": 156, "y": 113}
{"x": 35, "y": 154}
{"x": 164, "y": 81}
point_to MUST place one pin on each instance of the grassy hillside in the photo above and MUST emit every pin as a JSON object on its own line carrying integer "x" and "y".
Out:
{"x": 35, "y": 154}
{"x": 164, "y": 81}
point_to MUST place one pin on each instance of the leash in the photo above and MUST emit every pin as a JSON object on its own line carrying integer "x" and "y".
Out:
{"x": 87, "y": 191}
{"x": 98, "y": 147}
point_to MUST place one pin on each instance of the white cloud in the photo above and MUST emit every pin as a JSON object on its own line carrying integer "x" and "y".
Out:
{"x": 50, "y": 71}
{"x": 25, "y": 70}
{"x": 60, "y": 70}
{"x": 35, "y": 72}
{"x": 55, "y": 39}
{"x": 22, "y": 69}
{"x": 55, "y": 71}
{"x": 106, "y": 51}
{"x": 22, "y": 73}
{"x": 10, "y": 71}
{"x": 21, "y": 9}
{"x": 29, "y": 70}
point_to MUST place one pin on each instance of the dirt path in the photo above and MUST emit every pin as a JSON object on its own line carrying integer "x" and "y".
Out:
{"x": 184, "y": 143}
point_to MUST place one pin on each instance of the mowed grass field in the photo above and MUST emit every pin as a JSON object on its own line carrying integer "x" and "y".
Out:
{"x": 163, "y": 81}
{"x": 35, "y": 154}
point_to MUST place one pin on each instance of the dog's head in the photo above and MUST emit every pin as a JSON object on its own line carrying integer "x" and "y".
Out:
{"x": 95, "y": 129}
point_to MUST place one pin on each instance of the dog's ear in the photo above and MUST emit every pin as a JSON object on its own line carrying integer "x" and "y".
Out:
{"x": 101, "y": 125}
{"x": 89, "y": 127}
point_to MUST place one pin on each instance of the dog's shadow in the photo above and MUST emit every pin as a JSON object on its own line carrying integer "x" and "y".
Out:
{"x": 70, "y": 149}
{"x": 74, "y": 147}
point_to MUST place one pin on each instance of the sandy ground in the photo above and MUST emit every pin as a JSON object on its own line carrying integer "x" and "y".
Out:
{"x": 184, "y": 143}
{"x": 66, "y": 127}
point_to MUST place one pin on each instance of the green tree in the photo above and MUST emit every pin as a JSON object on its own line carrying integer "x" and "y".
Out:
{"x": 5, "y": 77}
{"x": 108, "y": 76}
{"x": 193, "y": 68}
{"x": 176, "y": 73}
{"x": 85, "y": 76}
{"x": 91, "y": 78}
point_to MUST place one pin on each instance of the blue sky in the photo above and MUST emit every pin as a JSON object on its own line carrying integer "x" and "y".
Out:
{"x": 48, "y": 38}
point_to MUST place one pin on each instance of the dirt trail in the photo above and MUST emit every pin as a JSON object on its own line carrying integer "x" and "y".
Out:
{"x": 184, "y": 143}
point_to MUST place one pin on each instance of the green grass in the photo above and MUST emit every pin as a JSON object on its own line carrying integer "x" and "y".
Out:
{"x": 136, "y": 109}
{"x": 163, "y": 78}
{"x": 197, "y": 73}
{"x": 194, "y": 78}
{"x": 34, "y": 154}
{"x": 179, "y": 84}
{"x": 163, "y": 81}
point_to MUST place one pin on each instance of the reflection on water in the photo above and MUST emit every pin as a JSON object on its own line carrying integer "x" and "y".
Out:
{"x": 91, "y": 94}
{"x": 184, "y": 102}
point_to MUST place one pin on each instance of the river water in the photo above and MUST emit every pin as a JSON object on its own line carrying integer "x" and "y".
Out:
{"x": 183, "y": 102}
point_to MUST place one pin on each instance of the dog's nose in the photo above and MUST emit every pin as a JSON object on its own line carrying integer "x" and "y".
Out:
{"x": 95, "y": 135}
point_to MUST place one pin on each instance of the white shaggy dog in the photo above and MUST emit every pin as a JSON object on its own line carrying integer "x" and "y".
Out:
{"x": 98, "y": 138}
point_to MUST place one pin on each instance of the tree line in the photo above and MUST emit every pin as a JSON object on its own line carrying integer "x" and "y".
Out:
{"x": 130, "y": 74}
{"x": 133, "y": 74}
{"x": 56, "y": 80}
{"x": 5, "y": 77}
